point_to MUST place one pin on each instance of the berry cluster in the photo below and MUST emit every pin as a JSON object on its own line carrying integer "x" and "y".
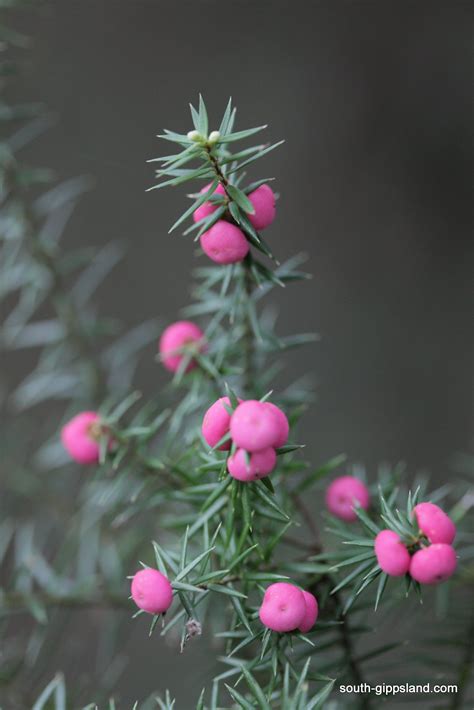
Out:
{"x": 224, "y": 242}
{"x": 433, "y": 558}
{"x": 253, "y": 432}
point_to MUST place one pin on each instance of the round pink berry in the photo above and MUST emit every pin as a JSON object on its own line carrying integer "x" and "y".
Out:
{"x": 343, "y": 494}
{"x": 152, "y": 591}
{"x": 283, "y": 425}
{"x": 263, "y": 202}
{"x": 207, "y": 208}
{"x": 283, "y": 607}
{"x": 311, "y": 613}
{"x": 216, "y": 423}
{"x": 392, "y": 555}
{"x": 261, "y": 463}
{"x": 434, "y": 523}
{"x": 254, "y": 426}
{"x": 175, "y": 338}
{"x": 433, "y": 564}
{"x": 80, "y": 437}
{"x": 224, "y": 243}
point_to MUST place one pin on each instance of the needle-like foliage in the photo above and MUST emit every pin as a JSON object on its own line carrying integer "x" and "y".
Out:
{"x": 161, "y": 497}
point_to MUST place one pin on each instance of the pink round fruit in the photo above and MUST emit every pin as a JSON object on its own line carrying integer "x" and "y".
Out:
{"x": 207, "y": 208}
{"x": 392, "y": 555}
{"x": 174, "y": 341}
{"x": 283, "y": 608}
{"x": 263, "y": 202}
{"x": 311, "y": 613}
{"x": 261, "y": 463}
{"x": 80, "y": 437}
{"x": 343, "y": 494}
{"x": 216, "y": 423}
{"x": 152, "y": 591}
{"x": 434, "y": 523}
{"x": 283, "y": 425}
{"x": 224, "y": 243}
{"x": 433, "y": 564}
{"x": 254, "y": 426}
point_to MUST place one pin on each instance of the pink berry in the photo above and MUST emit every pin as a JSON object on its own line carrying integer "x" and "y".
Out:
{"x": 207, "y": 208}
{"x": 152, "y": 591}
{"x": 283, "y": 607}
{"x": 80, "y": 437}
{"x": 254, "y": 426}
{"x": 283, "y": 425}
{"x": 261, "y": 463}
{"x": 434, "y": 523}
{"x": 392, "y": 555}
{"x": 175, "y": 338}
{"x": 311, "y": 613}
{"x": 216, "y": 423}
{"x": 263, "y": 202}
{"x": 433, "y": 564}
{"x": 343, "y": 494}
{"x": 224, "y": 243}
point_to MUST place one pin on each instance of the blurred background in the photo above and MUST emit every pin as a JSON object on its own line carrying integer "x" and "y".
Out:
{"x": 373, "y": 99}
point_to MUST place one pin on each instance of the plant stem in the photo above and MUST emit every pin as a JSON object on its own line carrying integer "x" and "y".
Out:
{"x": 248, "y": 285}
{"x": 248, "y": 334}
{"x": 345, "y": 632}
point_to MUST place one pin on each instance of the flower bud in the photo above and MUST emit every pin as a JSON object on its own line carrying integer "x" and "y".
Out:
{"x": 283, "y": 608}
{"x": 311, "y": 613}
{"x": 254, "y": 426}
{"x": 433, "y": 564}
{"x": 263, "y": 202}
{"x": 175, "y": 338}
{"x": 434, "y": 523}
{"x": 214, "y": 136}
{"x": 224, "y": 243}
{"x": 392, "y": 555}
{"x": 258, "y": 465}
{"x": 344, "y": 494}
{"x": 151, "y": 591}
{"x": 194, "y": 136}
{"x": 80, "y": 437}
{"x": 216, "y": 423}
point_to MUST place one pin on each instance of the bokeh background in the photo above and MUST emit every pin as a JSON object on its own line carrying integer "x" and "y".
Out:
{"x": 373, "y": 99}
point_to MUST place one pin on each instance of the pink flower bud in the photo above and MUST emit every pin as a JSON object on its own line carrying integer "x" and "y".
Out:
{"x": 175, "y": 339}
{"x": 283, "y": 425}
{"x": 261, "y": 463}
{"x": 434, "y": 523}
{"x": 254, "y": 426}
{"x": 207, "y": 208}
{"x": 224, "y": 243}
{"x": 216, "y": 423}
{"x": 392, "y": 555}
{"x": 80, "y": 437}
{"x": 433, "y": 564}
{"x": 283, "y": 607}
{"x": 152, "y": 591}
{"x": 343, "y": 494}
{"x": 263, "y": 202}
{"x": 311, "y": 613}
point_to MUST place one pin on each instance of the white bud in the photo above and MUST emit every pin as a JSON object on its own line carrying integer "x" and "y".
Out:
{"x": 214, "y": 136}
{"x": 194, "y": 136}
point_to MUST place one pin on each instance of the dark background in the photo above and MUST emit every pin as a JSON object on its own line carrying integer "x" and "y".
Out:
{"x": 373, "y": 100}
